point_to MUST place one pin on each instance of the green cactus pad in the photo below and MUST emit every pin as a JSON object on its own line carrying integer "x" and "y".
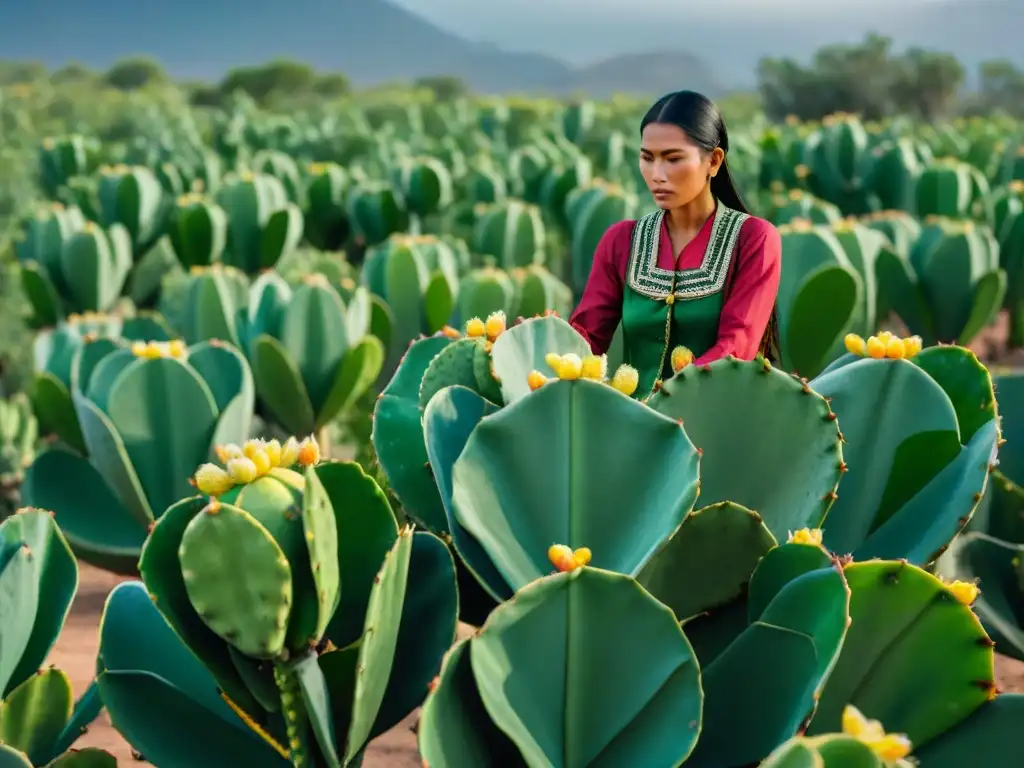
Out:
{"x": 823, "y": 310}
{"x": 751, "y": 415}
{"x": 137, "y": 642}
{"x": 89, "y": 356}
{"x": 314, "y": 332}
{"x": 892, "y": 669}
{"x": 569, "y": 488}
{"x": 907, "y": 469}
{"x": 52, "y": 405}
{"x": 981, "y": 739}
{"x": 380, "y": 640}
{"x": 145, "y": 405}
{"x": 778, "y": 568}
{"x": 33, "y": 715}
{"x": 358, "y": 371}
{"x": 97, "y": 525}
{"x": 831, "y": 751}
{"x": 565, "y": 705}
{"x": 449, "y": 420}
{"x": 107, "y": 453}
{"x": 426, "y": 632}
{"x": 140, "y": 705}
{"x": 276, "y": 501}
{"x": 398, "y": 436}
{"x": 38, "y": 578}
{"x": 708, "y": 561}
{"x": 280, "y": 387}
{"x": 967, "y": 383}
{"x": 161, "y": 571}
{"x": 486, "y": 384}
{"x": 245, "y": 599}
{"x": 522, "y": 349}
{"x": 455, "y": 729}
{"x": 1000, "y": 606}
{"x": 453, "y": 365}
{"x": 320, "y": 527}
{"x": 782, "y": 659}
{"x": 12, "y": 758}
{"x": 366, "y": 530}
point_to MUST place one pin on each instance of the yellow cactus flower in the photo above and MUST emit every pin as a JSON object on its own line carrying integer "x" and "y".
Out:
{"x": 571, "y": 368}
{"x": 855, "y": 344}
{"x": 806, "y": 536}
{"x": 536, "y": 380}
{"x": 876, "y": 348}
{"x": 626, "y": 379}
{"x": 582, "y": 556}
{"x": 964, "y": 591}
{"x": 254, "y": 451}
{"x": 888, "y": 747}
{"x": 494, "y": 326}
{"x": 681, "y": 357}
{"x": 290, "y": 452}
{"x": 475, "y": 328}
{"x": 911, "y": 346}
{"x": 212, "y": 480}
{"x": 595, "y": 367}
{"x": 895, "y": 349}
{"x": 273, "y": 451}
{"x": 227, "y": 452}
{"x": 177, "y": 348}
{"x": 451, "y": 333}
{"x": 553, "y": 360}
{"x": 309, "y": 452}
{"x": 562, "y": 558}
{"x": 138, "y": 348}
{"x": 891, "y": 747}
{"x": 242, "y": 470}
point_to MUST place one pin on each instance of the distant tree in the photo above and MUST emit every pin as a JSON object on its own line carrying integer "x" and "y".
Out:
{"x": 133, "y": 73}
{"x": 280, "y": 76}
{"x": 73, "y": 73}
{"x": 1001, "y": 88}
{"x": 20, "y": 72}
{"x": 445, "y": 87}
{"x": 331, "y": 85}
{"x": 864, "y": 78}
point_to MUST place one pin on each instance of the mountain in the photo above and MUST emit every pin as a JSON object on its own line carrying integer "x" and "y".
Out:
{"x": 530, "y": 43}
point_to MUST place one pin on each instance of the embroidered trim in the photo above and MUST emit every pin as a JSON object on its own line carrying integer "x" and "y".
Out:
{"x": 647, "y": 278}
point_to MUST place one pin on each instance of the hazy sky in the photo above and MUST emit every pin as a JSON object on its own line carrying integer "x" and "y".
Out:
{"x": 428, "y": 7}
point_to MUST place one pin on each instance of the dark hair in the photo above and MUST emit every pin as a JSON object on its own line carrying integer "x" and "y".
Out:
{"x": 698, "y": 117}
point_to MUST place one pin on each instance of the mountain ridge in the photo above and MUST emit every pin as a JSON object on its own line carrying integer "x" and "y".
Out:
{"x": 375, "y": 41}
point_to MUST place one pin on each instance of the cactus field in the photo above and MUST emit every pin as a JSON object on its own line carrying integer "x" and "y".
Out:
{"x": 301, "y": 463}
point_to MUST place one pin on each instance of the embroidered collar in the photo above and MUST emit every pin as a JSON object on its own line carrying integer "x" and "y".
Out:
{"x": 647, "y": 278}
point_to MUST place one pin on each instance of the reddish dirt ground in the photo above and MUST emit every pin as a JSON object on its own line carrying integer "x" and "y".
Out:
{"x": 76, "y": 655}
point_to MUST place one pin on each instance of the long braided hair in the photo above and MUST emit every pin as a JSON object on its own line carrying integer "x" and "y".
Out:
{"x": 699, "y": 118}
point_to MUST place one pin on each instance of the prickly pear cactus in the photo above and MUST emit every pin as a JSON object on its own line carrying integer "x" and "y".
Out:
{"x": 308, "y": 632}
{"x": 131, "y": 402}
{"x": 920, "y": 438}
{"x": 39, "y": 718}
{"x": 312, "y": 355}
{"x": 19, "y": 432}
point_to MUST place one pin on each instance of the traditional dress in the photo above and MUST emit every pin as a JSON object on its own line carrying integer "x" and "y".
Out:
{"x": 716, "y": 299}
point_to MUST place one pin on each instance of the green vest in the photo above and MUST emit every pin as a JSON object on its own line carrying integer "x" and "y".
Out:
{"x": 662, "y": 309}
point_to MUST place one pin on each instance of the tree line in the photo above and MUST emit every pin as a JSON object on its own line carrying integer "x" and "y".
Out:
{"x": 868, "y": 78}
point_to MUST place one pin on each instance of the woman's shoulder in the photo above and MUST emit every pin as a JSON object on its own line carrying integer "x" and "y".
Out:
{"x": 760, "y": 232}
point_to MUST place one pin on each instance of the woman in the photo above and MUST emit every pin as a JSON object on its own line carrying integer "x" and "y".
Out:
{"x": 701, "y": 272}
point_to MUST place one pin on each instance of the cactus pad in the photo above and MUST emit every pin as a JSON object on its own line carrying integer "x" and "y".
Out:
{"x": 565, "y": 705}
{"x": 245, "y": 599}
{"x": 453, "y": 365}
{"x": 569, "y": 487}
{"x": 751, "y": 416}
{"x": 522, "y": 348}
{"x": 892, "y": 667}
{"x": 708, "y": 561}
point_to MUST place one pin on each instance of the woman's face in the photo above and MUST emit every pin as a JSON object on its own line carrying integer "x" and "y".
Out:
{"x": 675, "y": 169}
